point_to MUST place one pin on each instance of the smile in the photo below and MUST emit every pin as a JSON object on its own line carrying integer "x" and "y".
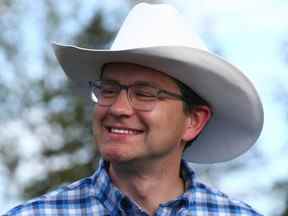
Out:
{"x": 124, "y": 131}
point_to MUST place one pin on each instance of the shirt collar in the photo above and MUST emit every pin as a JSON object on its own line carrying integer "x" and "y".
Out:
{"x": 105, "y": 191}
{"x": 188, "y": 176}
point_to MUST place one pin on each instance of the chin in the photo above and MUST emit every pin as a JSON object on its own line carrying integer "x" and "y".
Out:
{"x": 114, "y": 155}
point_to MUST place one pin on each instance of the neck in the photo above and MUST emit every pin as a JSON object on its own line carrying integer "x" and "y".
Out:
{"x": 148, "y": 185}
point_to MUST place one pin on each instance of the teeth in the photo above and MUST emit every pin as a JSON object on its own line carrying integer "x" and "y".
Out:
{"x": 122, "y": 131}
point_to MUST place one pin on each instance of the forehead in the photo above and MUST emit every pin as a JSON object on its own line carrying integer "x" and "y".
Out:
{"x": 128, "y": 73}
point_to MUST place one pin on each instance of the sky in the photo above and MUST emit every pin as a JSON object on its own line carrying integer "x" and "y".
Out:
{"x": 250, "y": 34}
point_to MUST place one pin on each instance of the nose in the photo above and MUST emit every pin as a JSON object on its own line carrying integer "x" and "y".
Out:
{"x": 122, "y": 105}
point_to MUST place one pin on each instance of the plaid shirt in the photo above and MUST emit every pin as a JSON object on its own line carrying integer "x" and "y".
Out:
{"x": 97, "y": 196}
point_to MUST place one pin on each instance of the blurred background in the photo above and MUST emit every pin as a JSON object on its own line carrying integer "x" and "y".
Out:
{"x": 45, "y": 135}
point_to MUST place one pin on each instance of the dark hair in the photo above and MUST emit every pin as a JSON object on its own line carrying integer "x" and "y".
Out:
{"x": 191, "y": 100}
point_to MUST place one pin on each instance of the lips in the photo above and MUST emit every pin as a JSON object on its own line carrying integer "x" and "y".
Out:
{"x": 123, "y": 130}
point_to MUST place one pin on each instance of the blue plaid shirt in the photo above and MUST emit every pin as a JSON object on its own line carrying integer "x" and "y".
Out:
{"x": 97, "y": 196}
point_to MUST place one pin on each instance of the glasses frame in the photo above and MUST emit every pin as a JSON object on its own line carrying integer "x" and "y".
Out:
{"x": 161, "y": 94}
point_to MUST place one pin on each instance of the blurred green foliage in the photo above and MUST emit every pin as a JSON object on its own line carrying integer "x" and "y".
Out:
{"x": 62, "y": 114}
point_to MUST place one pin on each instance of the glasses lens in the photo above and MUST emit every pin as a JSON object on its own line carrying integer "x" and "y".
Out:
{"x": 143, "y": 97}
{"x": 104, "y": 93}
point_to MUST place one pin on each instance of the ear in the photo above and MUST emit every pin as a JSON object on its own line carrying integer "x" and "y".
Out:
{"x": 196, "y": 121}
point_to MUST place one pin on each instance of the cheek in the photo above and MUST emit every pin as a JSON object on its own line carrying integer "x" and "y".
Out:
{"x": 168, "y": 116}
{"x": 167, "y": 123}
{"x": 97, "y": 118}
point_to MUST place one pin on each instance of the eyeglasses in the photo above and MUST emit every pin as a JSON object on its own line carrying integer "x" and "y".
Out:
{"x": 142, "y": 96}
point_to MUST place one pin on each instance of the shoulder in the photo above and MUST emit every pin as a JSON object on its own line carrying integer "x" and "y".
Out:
{"x": 213, "y": 200}
{"x": 207, "y": 200}
{"x": 73, "y": 198}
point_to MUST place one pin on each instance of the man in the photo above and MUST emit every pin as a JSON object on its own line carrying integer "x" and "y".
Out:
{"x": 159, "y": 95}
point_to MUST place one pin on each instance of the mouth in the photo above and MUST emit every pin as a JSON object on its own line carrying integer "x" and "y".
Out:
{"x": 123, "y": 131}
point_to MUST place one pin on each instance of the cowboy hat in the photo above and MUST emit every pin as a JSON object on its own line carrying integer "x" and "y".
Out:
{"x": 156, "y": 36}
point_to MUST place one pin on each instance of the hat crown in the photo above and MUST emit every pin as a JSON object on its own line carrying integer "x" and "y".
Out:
{"x": 155, "y": 25}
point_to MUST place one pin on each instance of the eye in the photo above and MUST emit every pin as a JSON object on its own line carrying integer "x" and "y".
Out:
{"x": 108, "y": 91}
{"x": 144, "y": 93}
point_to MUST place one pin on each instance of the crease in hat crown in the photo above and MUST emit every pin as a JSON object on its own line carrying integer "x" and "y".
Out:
{"x": 155, "y": 25}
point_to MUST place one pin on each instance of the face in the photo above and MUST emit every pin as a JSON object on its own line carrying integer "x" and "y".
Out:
{"x": 124, "y": 134}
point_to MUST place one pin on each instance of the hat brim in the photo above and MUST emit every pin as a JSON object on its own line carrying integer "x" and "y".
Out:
{"x": 237, "y": 110}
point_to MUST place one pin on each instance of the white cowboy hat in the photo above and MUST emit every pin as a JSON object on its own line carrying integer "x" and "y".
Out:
{"x": 156, "y": 36}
